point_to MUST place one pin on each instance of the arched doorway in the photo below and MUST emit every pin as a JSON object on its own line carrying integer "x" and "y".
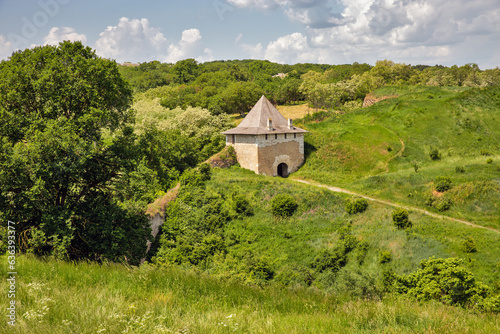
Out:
{"x": 283, "y": 169}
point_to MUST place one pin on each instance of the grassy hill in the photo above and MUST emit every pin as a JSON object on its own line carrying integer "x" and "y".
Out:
{"x": 265, "y": 275}
{"x": 375, "y": 150}
{"x": 220, "y": 296}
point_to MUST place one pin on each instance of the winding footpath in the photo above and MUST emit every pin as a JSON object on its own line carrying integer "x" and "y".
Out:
{"x": 406, "y": 207}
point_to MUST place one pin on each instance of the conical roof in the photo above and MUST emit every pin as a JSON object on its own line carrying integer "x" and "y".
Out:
{"x": 255, "y": 121}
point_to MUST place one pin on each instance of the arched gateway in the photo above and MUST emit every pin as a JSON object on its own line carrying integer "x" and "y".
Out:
{"x": 266, "y": 142}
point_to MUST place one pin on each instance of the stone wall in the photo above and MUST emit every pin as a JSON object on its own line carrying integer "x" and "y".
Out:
{"x": 263, "y": 156}
{"x": 246, "y": 151}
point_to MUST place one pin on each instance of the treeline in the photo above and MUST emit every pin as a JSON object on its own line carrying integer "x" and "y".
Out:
{"x": 234, "y": 86}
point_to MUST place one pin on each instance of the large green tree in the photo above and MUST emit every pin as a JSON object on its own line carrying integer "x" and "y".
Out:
{"x": 57, "y": 170}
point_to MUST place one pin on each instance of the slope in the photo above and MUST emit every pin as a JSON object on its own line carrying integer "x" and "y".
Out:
{"x": 385, "y": 150}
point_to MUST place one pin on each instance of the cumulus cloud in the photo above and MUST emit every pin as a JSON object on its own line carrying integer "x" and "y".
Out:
{"x": 6, "y": 47}
{"x": 292, "y": 48}
{"x": 188, "y": 47}
{"x": 131, "y": 40}
{"x": 57, "y": 35}
{"x": 137, "y": 41}
{"x": 424, "y": 31}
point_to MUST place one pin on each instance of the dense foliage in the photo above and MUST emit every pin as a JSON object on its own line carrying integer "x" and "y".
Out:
{"x": 234, "y": 86}
{"x": 74, "y": 173}
{"x": 447, "y": 281}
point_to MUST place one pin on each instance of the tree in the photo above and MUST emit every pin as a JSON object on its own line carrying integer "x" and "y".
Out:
{"x": 240, "y": 97}
{"x": 57, "y": 171}
{"x": 185, "y": 71}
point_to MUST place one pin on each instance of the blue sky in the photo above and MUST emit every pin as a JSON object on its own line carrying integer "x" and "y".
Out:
{"x": 286, "y": 31}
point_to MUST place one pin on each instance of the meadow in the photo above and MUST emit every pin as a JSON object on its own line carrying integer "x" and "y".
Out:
{"x": 55, "y": 296}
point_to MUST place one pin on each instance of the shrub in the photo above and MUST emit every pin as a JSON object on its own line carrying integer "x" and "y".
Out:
{"x": 442, "y": 204}
{"x": 205, "y": 171}
{"x": 400, "y": 218}
{"x": 469, "y": 245}
{"x": 356, "y": 205}
{"x": 384, "y": 257}
{"x": 283, "y": 205}
{"x": 434, "y": 154}
{"x": 442, "y": 183}
{"x": 242, "y": 206}
{"x": 489, "y": 161}
{"x": 429, "y": 200}
{"x": 444, "y": 280}
{"x": 459, "y": 169}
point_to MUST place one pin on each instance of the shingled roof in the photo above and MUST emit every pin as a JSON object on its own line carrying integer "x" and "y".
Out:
{"x": 255, "y": 122}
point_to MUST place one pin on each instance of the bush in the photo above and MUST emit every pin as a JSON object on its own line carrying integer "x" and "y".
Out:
{"x": 489, "y": 161}
{"x": 434, "y": 154}
{"x": 459, "y": 169}
{"x": 356, "y": 205}
{"x": 384, "y": 257}
{"x": 205, "y": 171}
{"x": 444, "y": 280}
{"x": 400, "y": 218}
{"x": 283, "y": 205}
{"x": 469, "y": 245}
{"x": 442, "y": 183}
{"x": 442, "y": 204}
{"x": 242, "y": 206}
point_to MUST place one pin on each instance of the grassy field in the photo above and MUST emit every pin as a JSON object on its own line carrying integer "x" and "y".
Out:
{"x": 384, "y": 150}
{"x": 60, "y": 297}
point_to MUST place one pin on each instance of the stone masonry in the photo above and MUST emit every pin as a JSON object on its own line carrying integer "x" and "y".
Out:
{"x": 266, "y": 143}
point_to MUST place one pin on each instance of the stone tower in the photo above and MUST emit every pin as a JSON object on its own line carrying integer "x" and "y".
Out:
{"x": 266, "y": 142}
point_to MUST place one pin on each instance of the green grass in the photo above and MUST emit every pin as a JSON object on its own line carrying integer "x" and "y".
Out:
{"x": 363, "y": 150}
{"x": 320, "y": 215}
{"x": 61, "y": 297}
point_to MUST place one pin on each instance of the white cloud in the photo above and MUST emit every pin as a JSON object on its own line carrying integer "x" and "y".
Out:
{"x": 421, "y": 31}
{"x": 263, "y": 4}
{"x": 188, "y": 47}
{"x": 292, "y": 48}
{"x": 57, "y": 35}
{"x": 6, "y": 48}
{"x": 136, "y": 41}
{"x": 131, "y": 40}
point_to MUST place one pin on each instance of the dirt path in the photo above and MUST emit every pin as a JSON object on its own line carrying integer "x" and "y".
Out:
{"x": 406, "y": 207}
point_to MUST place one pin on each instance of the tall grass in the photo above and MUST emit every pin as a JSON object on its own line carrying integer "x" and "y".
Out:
{"x": 61, "y": 297}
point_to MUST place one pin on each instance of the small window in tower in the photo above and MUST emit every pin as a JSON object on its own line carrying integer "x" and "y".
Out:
{"x": 276, "y": 136}
{"x": 294, "y": 135}
{"x": 266, "y": 137}
{"x": 285, "y": 135}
